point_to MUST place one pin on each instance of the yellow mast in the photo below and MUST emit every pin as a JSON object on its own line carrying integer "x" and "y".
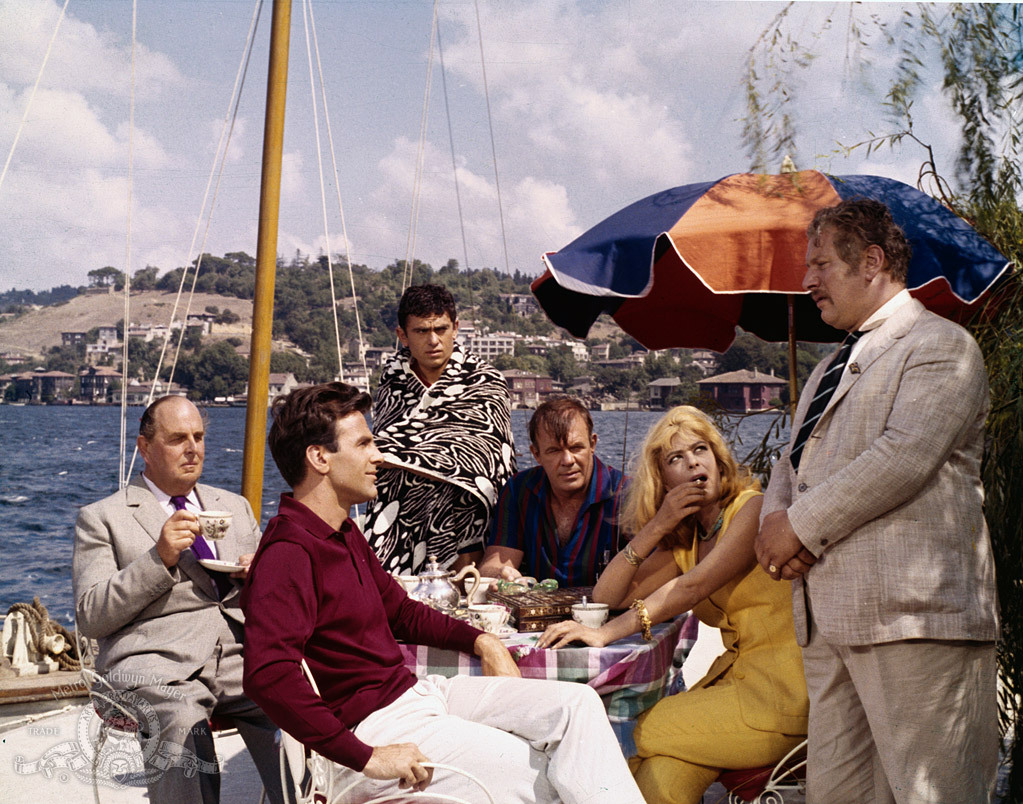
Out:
{"x": 266, "y": 257}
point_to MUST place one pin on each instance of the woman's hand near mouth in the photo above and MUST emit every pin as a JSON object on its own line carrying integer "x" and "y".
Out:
{"x": 682, "y": 501}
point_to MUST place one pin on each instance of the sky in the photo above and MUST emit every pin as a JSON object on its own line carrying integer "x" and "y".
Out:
{"x": 593, "y": 105}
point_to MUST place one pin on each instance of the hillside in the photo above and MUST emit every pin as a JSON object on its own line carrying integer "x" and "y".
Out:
{"x": 35, "y": 332}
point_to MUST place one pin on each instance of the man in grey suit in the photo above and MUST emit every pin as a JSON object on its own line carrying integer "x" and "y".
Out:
{"x": 170, "y": 632}
{"x": 875, "y": 513}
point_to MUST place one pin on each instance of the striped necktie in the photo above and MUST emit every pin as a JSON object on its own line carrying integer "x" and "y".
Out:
{"x": 825, "y": 390}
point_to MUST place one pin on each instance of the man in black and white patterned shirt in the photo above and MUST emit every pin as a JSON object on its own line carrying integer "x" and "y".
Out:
{"x": 442, "y": 419}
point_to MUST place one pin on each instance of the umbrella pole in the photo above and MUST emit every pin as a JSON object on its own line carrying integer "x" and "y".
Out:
{"x": 793, "y": 393}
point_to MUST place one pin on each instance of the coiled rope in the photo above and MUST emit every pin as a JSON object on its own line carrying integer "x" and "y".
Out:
{"x": 40, "y": 626}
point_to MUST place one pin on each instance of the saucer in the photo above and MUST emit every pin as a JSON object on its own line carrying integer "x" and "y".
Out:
{"x": 220, "y": 566}
{"x": 505, "y": 631}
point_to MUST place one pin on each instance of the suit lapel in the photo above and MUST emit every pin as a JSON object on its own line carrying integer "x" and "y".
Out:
{"x": 890, "y": 331}
{"x": 146, "y": 510}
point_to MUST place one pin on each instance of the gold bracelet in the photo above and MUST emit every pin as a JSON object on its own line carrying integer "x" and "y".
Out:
{"x": 644, "y": 618}
{"x": 631, "y": 557}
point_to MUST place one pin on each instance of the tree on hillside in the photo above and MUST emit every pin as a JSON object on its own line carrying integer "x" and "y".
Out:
{"x": 979, "y": 48}
{"x": 214, "y": 371}
{"x": 107, "y": 276}
{"x": 65, "y": 358}
{"x": 285, "y": 362}
{"x": 145, "y": 278}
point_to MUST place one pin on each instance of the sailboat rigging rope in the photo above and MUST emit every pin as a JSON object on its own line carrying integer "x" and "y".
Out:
{"x": 454, "y": 173}
{"x": 493, "y": 147}
{"x": 123, "y": 476}
{"x": 417, "y": 186}
{"x": 323, "y": 189}
{"x": 32, "y": 94}
{"x": 226, "y": 133}
{"x": 340, "y": 206}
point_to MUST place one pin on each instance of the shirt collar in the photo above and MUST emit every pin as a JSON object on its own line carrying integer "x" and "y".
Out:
{"x": 164, "y": 498}
{"x": 886, "y": 310}
{"x": 301, "y": 515}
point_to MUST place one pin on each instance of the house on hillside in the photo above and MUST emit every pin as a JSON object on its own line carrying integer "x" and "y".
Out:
{"x": 660, "y": 389}
{"x": 527, "y": 390}
{"x": 522, "y": 304}
{"x": 43, "y": 386}
{"x": 705, "y": 360}
{"x": 96, "y": 383}
{"x": 492, "y": 344}
{"x": 743, "y": 391}
{"x": 357, "y": 376}
{"x": 376, "y": 355}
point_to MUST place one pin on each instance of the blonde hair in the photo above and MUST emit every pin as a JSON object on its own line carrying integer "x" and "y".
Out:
{"x": 646, "y": 489}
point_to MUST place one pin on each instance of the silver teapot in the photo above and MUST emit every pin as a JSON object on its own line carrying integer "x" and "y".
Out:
{"x": 436, "y": 587}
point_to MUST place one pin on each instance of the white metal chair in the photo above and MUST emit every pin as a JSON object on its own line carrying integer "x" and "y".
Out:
{"x": 768, "y": 785}
{"x": 314, "y": 776}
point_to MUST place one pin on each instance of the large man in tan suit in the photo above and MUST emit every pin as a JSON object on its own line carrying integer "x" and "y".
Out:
{"x": 875, "y": 513}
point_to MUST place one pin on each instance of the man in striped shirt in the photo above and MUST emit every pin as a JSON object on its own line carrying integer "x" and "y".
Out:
{"x": 558, "y": 519}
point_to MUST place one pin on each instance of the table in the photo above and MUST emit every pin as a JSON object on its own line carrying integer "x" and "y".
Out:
{"x": 630, "y": 675}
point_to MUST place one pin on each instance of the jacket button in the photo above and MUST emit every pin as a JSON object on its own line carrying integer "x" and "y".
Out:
{"x": 801, "y": 487}
{"x": 824, "y": 541}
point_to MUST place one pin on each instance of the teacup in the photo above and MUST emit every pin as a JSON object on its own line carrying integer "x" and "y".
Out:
{"x": 480, "y": 596}
{"x": 488, "y": 617}
{"x": 592, "y": 615}
{"x": 408, "y": 582}
{"x": 214, "y": 524}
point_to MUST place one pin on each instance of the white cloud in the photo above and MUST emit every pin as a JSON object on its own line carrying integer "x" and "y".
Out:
{"x": 82, "y": 58}
{"x": 594, "y": 106}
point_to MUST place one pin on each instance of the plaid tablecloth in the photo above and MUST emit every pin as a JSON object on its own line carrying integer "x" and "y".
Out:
{"x": 630, "y": 675}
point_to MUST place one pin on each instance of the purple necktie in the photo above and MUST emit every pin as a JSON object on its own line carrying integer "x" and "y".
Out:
{"x": 202, "y": 550}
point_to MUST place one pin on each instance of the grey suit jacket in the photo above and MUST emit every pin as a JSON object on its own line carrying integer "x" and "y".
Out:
{"x": 888, "y": 493}
{"x": 150, "y": 621}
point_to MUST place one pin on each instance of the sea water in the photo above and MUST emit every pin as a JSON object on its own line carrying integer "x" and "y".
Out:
{"x": 53, "y": 460}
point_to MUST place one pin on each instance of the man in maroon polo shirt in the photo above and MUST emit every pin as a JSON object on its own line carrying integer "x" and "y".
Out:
{"x": 316, "y": 591}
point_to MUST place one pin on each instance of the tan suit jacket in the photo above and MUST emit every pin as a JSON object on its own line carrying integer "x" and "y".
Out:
{"x": 888, "y": 493}
{"x": 150, "y": 621}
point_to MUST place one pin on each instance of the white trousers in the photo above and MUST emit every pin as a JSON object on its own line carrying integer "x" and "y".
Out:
{"x": 527, "y": 740}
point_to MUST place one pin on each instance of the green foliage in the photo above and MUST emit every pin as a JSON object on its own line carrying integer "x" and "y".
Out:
{"x": 561, "y": 365}
{"x": 65, "y": 358}
{"x": 145, "y": 278}
{"x": 285, "y": 362}
{"x": 107, "y": 276}
{"x": 12, "y": 301}
{"x": 999, "y": 331}
{"x": 143, "y": 358}
{"x": 215, "y": 370}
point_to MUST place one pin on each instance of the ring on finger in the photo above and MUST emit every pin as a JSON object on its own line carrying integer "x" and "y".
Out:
{"x": 772, "y": 569}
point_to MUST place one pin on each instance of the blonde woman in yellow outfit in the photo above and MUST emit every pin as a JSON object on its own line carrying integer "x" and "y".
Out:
{"x": 694, "y": 514}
